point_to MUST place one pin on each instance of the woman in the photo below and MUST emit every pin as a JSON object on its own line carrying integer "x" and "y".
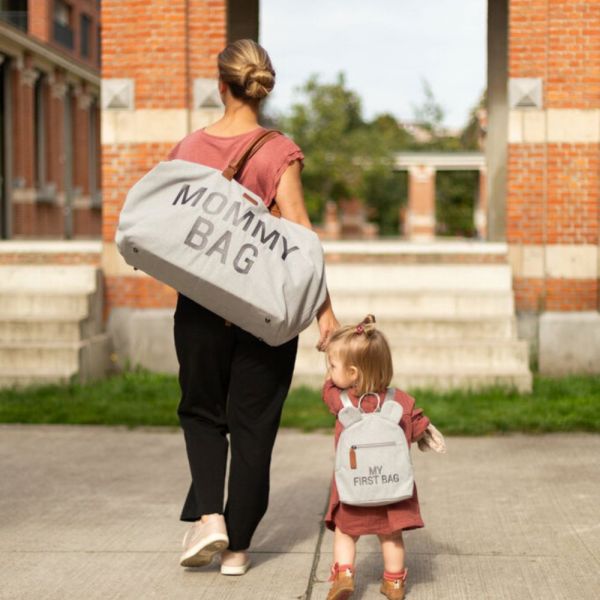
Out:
{"x": 231, "y": 382}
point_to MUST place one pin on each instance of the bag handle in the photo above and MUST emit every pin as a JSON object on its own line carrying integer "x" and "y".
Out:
{"x": 253, "y": 147}
{"x": 347, "y": 402}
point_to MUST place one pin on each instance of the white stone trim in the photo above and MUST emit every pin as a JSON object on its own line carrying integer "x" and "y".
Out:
{"x": 402, "y": 247}
{"x": 24, "y": 195}
{"x": 50, "y": 247}
{"x": 569, "y": 261}
{"x": 113, "y": 264}
{"x": 420, "y": 220}
{"x": 441, "y": 161}
{"x": 152, "y": 125}
{"x": 569, "y": 342}
{"x": 554, "y": 125}
{"x": 15, "y": 42}
{"x": 572, "y": 261}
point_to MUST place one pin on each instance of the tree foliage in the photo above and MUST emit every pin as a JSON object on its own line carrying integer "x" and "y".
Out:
{"x": 350, "y": 157}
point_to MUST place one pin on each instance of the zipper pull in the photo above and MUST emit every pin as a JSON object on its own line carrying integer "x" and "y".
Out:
{"x": 353, "y": 457}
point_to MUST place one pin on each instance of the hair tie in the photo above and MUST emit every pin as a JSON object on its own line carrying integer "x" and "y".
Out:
{"x": 360, "y": 328}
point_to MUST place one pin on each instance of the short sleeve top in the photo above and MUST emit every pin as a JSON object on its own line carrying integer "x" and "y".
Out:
{"x": 261, "y": 174}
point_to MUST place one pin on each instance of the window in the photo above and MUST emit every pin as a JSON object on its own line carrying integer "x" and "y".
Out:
{"x": 46, "y": 191}
{"x": 39, "y": 132}
{"x": 94, "y": 157}
{"x": 98, "y": 46}
{"x": 62, "y": 13}
{"x": 85, "y": 35}
{"x": 62, "y": 23}
{"x": 14, "y": 12}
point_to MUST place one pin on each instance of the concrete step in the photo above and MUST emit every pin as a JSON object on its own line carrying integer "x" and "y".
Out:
{"x": 421, "y": 303}
{"x": 446, "y": 355}
{"x": 386, "y": 277}
{"x": 88, "y": 357}
{"x": 77, "y": 306}
{"x": 442, "y": 380}
{"x": 432, "y": 328}
{"x": 67, "y": 278}
{"x": 45, "y": 329}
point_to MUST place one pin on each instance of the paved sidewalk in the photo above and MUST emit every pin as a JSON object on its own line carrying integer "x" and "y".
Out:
{"x": 92, "y": 512}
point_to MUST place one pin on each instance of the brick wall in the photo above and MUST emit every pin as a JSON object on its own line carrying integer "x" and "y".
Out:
{"x": 162, "y": 72}
{"x": 553, "y": 183}
{"x": 40, "y": 26}
{"x": 33, "y": 215}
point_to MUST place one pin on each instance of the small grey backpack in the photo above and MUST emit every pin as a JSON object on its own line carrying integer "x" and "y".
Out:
{"x": 372, "y": 462}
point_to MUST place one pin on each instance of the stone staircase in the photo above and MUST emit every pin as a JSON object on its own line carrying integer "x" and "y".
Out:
{"x": 448, "y": 313}
{"x": 51, "y": 324}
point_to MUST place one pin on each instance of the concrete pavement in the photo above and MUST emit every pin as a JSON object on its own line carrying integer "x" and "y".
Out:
{"x": 92, "y": 512}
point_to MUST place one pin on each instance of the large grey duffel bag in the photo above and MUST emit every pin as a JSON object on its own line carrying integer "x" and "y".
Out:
{"x": 198, "y": 230}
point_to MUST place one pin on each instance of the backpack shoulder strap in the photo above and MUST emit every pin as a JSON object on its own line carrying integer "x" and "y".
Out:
{"x": 345, "y": 399}
{"x": 389, "y": 395}
{"x": 251, "y": 149}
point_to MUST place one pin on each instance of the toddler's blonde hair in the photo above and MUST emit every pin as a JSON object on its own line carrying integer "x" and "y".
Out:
{"x": 246, "y": 67}
{"x": 363, "y": 346}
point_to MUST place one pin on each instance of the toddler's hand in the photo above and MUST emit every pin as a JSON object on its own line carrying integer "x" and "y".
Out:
{"x": 432, "y": 439}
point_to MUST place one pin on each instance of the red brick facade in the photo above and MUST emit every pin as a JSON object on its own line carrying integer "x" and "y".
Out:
{"x": 553, "y": 184}
{"x": 162, "y": 72}
{"x": 558, "y": 40}
{"x": 553, "y": 191}
{"x": 48, "y": 143}
{"x": 122, "y": 166}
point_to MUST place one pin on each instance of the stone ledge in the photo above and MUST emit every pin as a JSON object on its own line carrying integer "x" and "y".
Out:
{"x": 569, "y": 342}
{"x": 51, "y": 246}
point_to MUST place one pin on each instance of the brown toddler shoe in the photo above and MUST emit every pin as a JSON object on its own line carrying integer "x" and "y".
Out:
{"x": 392, "y": 585}
{"x": 342, "y": 578}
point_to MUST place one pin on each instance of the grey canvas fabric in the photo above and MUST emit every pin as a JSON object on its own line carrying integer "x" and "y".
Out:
{"x": 215, "y": 241}
{"x": 372, "y": 462}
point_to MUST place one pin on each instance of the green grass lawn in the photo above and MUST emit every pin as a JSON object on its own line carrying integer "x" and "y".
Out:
{"x": 140, "y": 398}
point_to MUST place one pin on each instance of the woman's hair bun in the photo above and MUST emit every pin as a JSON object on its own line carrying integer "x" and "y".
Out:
{"x": 246, "y": 67}
{"x": 258, "y": 82}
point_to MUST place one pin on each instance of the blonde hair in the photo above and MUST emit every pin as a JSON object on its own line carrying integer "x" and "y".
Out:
{"x": 363, "y": 346}
{"x": 246, "y": 68}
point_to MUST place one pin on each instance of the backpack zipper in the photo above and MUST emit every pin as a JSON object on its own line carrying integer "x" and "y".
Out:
{"x": 354, "y": 447}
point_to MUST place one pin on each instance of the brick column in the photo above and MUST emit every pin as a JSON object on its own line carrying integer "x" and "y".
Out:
{"x": 39, "y": 13}
{"x": 87, "y": 221}
{"x": 23, "y": 165}
{"x": 554, "y": 176}
{"x": 420, "y": 216}
{"x": 149, "y": 104}
{"x": 50, "y": 215}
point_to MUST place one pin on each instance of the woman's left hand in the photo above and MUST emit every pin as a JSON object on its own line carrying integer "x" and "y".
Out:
{"x": 290, "y": 201}
{"x": 327, "y": 324}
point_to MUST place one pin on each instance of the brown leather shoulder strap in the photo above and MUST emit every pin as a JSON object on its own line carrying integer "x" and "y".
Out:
{"x": 253, "y": 147}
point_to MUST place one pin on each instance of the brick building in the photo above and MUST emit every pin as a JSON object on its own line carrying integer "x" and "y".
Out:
{"x": 50, "y": 127}
{"x": 551, "y": 212}
{"x": 541, "y": 175}
{"x": 542, "y": 153}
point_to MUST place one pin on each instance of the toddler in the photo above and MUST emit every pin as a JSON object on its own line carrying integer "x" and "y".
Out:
{"x": 359, "y": 361}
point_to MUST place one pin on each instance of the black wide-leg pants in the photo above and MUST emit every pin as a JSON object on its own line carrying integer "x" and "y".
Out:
{"x": 231, "y": 383}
